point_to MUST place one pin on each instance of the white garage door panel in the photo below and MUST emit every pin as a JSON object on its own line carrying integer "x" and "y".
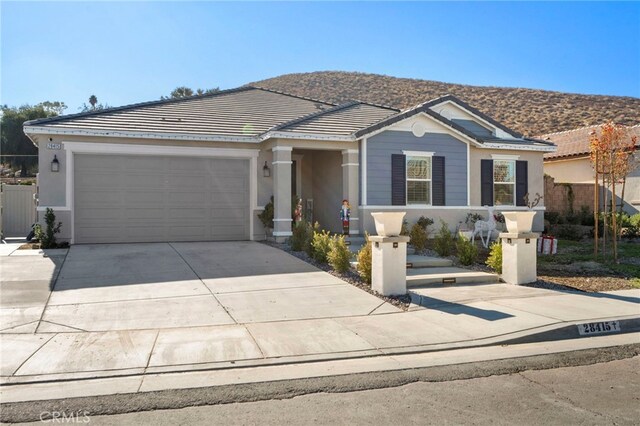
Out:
{"x": 119, "y": 198}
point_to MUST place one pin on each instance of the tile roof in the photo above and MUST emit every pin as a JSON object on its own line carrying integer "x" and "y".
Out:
{"x": 575, "y": 143}
{"x": 246, "y": 111}
{"x": 343, "y": 119}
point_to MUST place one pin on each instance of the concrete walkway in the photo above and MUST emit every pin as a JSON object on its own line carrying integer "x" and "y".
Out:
{"x": 122, "y": 310}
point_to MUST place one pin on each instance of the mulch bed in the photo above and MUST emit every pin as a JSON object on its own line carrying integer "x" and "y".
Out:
{"x": 590, "y": 284}
{"x": 401, "y": 302}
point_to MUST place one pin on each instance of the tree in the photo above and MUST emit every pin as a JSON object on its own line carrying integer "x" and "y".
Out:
{"x": 17, "y": 149}
{"x": 611, "y": 150}
{"x": 93, "y": 105}
{"x": 186, "y": 92}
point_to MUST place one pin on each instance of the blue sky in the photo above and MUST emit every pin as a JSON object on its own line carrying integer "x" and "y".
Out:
{"x": 131, "y": 52}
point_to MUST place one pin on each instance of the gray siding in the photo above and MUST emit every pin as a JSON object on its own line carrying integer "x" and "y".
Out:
{"x": 381, "y": 146}
{"x": 474, "y": 127}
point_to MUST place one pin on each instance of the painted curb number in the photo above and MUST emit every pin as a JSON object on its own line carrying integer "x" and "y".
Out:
{"x": 591, "y": 328}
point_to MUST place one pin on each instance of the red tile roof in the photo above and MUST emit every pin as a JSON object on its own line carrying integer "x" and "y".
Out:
{"x": 575, "y": 143}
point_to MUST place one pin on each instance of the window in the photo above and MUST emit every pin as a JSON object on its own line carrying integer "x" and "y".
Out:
{"x": 418, "y": 180}
{"x": 504, "y": 182}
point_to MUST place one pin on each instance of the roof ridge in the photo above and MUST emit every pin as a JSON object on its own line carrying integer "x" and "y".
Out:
{"x": 568, "y": 131}
{"x": 377, "y": 105}
{"x": 306, "y": 98}
{"x": 312, "y": 115}
{"x": 136, "y": 105}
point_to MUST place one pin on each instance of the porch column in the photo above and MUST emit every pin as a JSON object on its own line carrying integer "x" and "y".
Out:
{"x": 350, "y": 186}
{"x": 282, "y": 192}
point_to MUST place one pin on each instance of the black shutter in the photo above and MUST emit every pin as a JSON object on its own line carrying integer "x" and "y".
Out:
{"x": 486, "y": 182}
{"x": 437, "y": 180}
{"x": 522, "y": 182}
{"x": 398, "y": 180}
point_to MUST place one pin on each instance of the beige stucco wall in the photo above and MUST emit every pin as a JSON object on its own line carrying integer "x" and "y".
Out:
{"x": 577, "y": 170}
{"x": 535, "y": 170}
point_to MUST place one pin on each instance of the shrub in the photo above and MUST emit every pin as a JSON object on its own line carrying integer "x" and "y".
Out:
{"x": 418, "y": 236}
{"x": 569, "y": 232}
{"x": 552, "y": 217}
{"x": 47, "y": 237}
{"x": 425, "y": 222}
{"x": 321, "y": 244}
{"x": 443, "y": 242}
{"x": 266, "y": 217}
{"x": 494, "y": 261}
{"x": 471, "y": 219}
{"x": 467, "y": 251}
{"x": 302, "y": 236}
{"x": 339, "y": 255}
{"x": 364, "y": 260}
{"x": 308, "y": 248}
{"x": 586, "y": 216}
{"x": 405, "y": 228}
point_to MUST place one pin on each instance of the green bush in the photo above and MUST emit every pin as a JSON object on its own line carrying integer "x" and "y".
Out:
{"x": 443, "y": 242}
{"x": 494, "y": 261}
{"x": 418, "y": 236}
{"x": 321, "y": 244}
{"x": 364, "y": 260}
{"x": 302, "y": 236}
{"x": 266, "y": 216}
{"x": 467, "y": 251}
{"x": 552, "y": 217}
{"x": 339, "y": 255}
{"x": 425, "y": 222}
{"x": 308, "y": 248}
{"x": 569, "y": 232}
{"x": 586, "y": 216}
{"x": 47, "y": 237}
{"x": 405, "y": 228}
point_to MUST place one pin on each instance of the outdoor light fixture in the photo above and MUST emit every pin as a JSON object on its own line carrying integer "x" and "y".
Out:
{"x": 55, "y": 164}
{"x": 266, "y": 171}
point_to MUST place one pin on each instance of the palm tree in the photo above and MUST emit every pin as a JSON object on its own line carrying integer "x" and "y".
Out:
{"x": 93, "y": 100}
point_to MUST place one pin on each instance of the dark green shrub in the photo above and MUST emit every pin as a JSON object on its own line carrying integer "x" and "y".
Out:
{"x": 467, "y": 251}
{"x": 364, "y": 260}
{"x": 321, "y": 244}
{"x": 405, "y": 228}
{"x": 47, "y": 237}
{"x": 418, "y": 236}
{"x": 494, "y": 261}
{"x": 339, "y": 255}
{"x": 569, "y": 232}
{"x": 586, "y": 216}
{"x": 302, "y": 236}
{"x": 443, "y": 242}
{"x": 266, "y": 216}
{"x": 425, "y": 222}
{"x": 552, "y": 217}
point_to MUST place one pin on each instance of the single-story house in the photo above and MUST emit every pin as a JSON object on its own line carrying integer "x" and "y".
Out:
{"x": 571, "y": 162}
{"x": 203, "y": 168}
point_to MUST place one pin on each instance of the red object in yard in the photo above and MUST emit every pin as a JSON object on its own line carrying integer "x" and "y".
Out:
{"x": 547, "y": 244}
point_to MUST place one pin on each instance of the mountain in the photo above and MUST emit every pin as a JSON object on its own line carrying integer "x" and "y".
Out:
{"x": 529, "y": 111}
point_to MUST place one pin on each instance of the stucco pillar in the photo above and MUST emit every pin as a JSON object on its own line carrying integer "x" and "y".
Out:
{"x": 350, "y": 186}
{"x": 282, "y": 192}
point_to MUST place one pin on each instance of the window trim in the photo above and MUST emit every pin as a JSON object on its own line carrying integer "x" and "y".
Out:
{"x": 513, "y": 184}
{"x": 418, "y": 154}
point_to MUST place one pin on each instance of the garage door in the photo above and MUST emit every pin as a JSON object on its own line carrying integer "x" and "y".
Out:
{"x": 126, "y": 198}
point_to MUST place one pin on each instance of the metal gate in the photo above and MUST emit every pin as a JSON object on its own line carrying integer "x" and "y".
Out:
{"x": 18, "y": 207}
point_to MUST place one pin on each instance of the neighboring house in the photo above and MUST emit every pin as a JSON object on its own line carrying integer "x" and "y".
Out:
{"x": 571, "y": 163}
{"x": 204, "y": 167}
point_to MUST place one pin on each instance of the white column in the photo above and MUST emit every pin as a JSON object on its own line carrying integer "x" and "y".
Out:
{"x": 519, "y": 257}
{"x": 282, "y": 192}
{"x": 350, "y": 186}
{"x": 389, "y": 265}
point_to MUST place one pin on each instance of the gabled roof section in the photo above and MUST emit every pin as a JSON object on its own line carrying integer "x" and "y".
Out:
{"x": 426, "y": 108}
{"x": 344, "y": 119}
{"x": 244, "y": 112}
{"x": 575, "y": 143}
{"x": 476, "y": 112}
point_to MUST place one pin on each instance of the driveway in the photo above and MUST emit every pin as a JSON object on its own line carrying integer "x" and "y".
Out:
{"x": 156, "y": 286}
